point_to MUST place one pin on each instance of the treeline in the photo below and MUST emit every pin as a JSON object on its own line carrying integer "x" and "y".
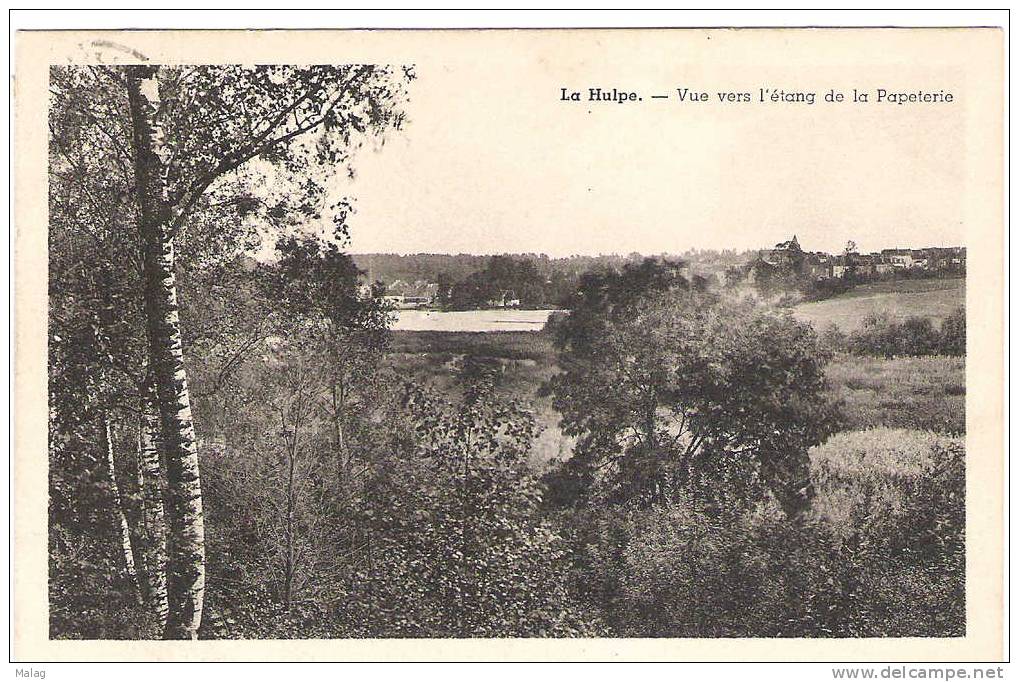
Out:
{"x": 535, "y": 280}
{"x": 466, "y": 281}
{"x": 503, "y": 281}
{"x": 389, "y": 267}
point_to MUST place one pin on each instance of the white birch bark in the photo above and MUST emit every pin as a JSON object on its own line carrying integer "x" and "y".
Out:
{"x": 186, "y": 533}
{"x": 153, "y": 511}
{"x": 123, "y": 530}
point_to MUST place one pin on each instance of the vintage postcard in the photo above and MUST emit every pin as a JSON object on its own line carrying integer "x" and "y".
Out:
{"x": 614, "y": 344}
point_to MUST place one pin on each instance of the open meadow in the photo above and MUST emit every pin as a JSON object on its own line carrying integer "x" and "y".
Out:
{"x": 922, "y": 393}
{"x": 899, "y": 299}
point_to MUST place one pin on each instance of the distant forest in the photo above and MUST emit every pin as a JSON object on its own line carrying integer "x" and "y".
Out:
{"x": 528, "y": 280}
{"x": 535, "y": 280}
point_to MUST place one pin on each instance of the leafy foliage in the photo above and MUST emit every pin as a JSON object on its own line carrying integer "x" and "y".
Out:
{"x": 916, "y": 335}
{"x": 881, "y": 553}
{"x": 462, "y": 552}
{"x": 343, "y": 499}
{"x": 685, "y": 392}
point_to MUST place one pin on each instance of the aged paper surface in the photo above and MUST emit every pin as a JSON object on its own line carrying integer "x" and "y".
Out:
{"x": 508, "y": 95}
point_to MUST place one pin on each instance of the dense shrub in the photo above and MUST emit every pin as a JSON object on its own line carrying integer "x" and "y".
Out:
{"x": 833, "y": 340}
{"x": 826, "y": 288}
{"x": 880, "y": 553}
{"x": 882, "y": 336}
{"x": 685, "y": 570}
{"x": 90, "y": 596}
{"x": 953, "y": 333}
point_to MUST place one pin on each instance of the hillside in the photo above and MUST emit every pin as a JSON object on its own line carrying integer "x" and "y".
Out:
{"x": 935, "y": 298}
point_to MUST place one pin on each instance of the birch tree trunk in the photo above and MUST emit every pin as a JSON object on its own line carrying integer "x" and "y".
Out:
{"x": 186, "y": 537}
{"x": 153, "y": 512}
{"x": 123, "y": 530}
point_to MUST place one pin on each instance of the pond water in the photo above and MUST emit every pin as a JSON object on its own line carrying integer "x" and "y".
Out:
{"x": 471, "y": 320}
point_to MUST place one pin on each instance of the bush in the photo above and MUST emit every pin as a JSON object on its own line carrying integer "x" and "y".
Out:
{"x": 953, "y": 333}
{"x": 687, "y": 571}
{"x": 882, "y": 336}
{"x": 833, "y": 340}
{"x": 880, "y": 553}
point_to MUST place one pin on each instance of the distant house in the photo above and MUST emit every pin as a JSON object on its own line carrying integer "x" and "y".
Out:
{"x": 851, "y": 262}
{"x": 939, "y": 259}
{"x": 882, "y": 266}
{"x": 899, "y": 258}
{"x": 839, "y": 267}
{"x": 866, "y": 265}
{"x": 817, "y": 266}
{"x": 404, "y": 302}
{"x": 784, "y": 254}
{"x": 411, "y": 295}
{"x": 506, "y": 299}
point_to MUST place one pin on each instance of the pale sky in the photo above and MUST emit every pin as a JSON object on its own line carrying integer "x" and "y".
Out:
{"x": 492, "y": 161}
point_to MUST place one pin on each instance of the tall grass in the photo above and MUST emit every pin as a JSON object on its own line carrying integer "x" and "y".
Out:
{"x": 862, "y": 475}
{"x": 923, "y": 393}
{"x": 893, "y": 502}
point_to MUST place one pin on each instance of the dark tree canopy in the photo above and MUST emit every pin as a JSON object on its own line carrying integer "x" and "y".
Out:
{"x": 675, "y": 391}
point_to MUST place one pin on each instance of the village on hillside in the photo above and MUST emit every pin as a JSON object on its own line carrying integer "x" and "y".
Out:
{"x": 819, "y": 265}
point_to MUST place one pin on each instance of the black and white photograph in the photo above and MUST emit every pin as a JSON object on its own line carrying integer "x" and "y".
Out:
{"x": 643, "y": 336}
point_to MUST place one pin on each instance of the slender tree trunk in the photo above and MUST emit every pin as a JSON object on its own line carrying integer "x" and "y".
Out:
{"x": 288, "y": 577}
{"x": 153, "y": 510}
{"x": 124, "y": 531}
{"x": 138, "y": 532}
{"x": 291, "y": 444}
{"x": 186, "y": 538}
{"x": 338, "y": 436}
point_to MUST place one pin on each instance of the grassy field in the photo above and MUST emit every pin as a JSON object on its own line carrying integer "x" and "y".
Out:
{"x": 913, "y": 393}
{"x": 510, "y": 345}
{"x": 859, "y": 473}
{"x": 935, "y": 298}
